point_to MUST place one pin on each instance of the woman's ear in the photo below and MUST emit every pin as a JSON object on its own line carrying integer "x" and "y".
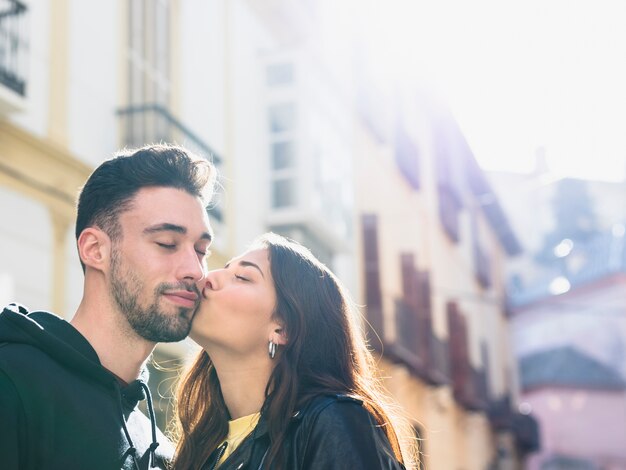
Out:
{"x": 279, "y": 336}
{"x": 94, "y": 248}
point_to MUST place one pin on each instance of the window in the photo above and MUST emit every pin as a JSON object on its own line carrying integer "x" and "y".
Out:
{"x": 283, "y": 194}
{"x": 282, "y": 117}
{"x": 449, "y": 179}
{"x": 279, "y": 74}
{"x": 283, "y": 161}
{"x": 148, "y": 70}
{"x": 282, "y": 155}
{"x": 148, "y": 52}
{"x": 407, "y": 158}
{"x": 13, "y": 45}
{"x": 449, "y": 208}
{"x": 482, "y": 262}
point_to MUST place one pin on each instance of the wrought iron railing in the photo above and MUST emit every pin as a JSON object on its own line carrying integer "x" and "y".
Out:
{"x": 13, "y": 45}
{"x": 153, "y": 123}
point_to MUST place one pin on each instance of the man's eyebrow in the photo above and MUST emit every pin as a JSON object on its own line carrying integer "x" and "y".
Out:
{"x": 166, "y": 227}
{"x": 245, "y": 263}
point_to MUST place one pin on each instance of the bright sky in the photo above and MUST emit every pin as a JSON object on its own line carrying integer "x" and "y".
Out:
{"x": 519, "y": 75}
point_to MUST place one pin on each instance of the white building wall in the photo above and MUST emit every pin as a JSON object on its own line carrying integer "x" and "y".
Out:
{"x": 247, "y": 140}
{"x": 25, "y": 251}
{"x": 95, "y": 39}
{"x": 200, "y": 69}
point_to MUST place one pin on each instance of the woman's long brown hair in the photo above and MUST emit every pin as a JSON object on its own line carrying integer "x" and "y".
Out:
{"x": 325, "y": 353}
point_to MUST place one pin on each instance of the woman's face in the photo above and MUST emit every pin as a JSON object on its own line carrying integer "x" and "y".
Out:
{"x": 236, "y": 312}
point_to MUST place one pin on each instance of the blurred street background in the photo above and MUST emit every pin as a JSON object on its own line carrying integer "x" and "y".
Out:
{"x": 461, "y": 166}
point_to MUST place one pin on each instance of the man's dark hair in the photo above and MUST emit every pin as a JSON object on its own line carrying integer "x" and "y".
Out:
{"x": 110, "y": 189}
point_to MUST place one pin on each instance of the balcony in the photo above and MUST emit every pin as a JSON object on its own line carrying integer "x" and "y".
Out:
{"x": 418, "y": 347}
{"x": 410, "y": 335}
{"x": 527, "y": 433}
{"x": 470, "y": 387}
{"x": 153, "y": 123}
{"x": 13, "y": 16}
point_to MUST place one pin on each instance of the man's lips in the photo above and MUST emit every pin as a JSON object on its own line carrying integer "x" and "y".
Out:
{"x": 183, "y": 298}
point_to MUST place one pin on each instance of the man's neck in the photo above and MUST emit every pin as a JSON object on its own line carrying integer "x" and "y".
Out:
{"x": 119, "y": 348}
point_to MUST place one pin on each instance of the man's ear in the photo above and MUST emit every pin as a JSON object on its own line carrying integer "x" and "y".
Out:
{"x": 94, "y": 248}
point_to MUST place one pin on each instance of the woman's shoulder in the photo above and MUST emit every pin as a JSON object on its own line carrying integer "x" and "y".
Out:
{"x": 335, "y": 411}
{"x": 337, "y": 430}
{"x": 318, "y": 403}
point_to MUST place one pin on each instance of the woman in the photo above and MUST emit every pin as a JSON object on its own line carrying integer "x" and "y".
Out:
{"x": 284, "y": 380}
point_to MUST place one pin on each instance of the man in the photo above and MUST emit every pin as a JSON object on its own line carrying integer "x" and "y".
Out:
{"x": 69, "y": 391}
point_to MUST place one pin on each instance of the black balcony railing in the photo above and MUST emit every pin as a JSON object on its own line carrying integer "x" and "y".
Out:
{"x": 13, "y": 45}
{"x": 527, "y": 433}
{"x": 501, "y": 413}
{"x": 153, "y": 123}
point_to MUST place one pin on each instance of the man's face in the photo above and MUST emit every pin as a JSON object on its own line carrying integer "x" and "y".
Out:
{"x": 158, "y": 262}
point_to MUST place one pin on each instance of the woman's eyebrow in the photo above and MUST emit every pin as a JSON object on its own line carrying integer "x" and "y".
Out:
{"x": 245, "y": 263}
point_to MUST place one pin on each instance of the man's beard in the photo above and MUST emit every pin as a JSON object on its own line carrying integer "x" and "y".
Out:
{"x": 149, "y": 322}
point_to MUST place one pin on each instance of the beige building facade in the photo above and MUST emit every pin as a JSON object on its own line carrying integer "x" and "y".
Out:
{"x": 434, "y": 243}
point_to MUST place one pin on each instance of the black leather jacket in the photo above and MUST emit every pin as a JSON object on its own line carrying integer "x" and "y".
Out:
{"x": 329, "y": 433}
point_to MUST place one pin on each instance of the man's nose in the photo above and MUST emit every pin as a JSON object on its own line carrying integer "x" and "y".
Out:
{"x": 192, "y": 268}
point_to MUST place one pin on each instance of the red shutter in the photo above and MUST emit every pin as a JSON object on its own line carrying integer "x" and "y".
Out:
{"x": 408, "y": 330}
{"x": 424, "y": 319}
{"x": 486, "y": 385}
{"x": 462, "y": 380}
{"x": 373, "y": 296}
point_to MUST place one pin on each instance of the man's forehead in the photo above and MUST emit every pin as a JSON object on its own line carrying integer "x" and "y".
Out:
{"x": 167, "y": 209}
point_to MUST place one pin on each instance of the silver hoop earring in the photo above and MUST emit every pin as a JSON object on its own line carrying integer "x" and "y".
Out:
{"x": 271, "y": 349}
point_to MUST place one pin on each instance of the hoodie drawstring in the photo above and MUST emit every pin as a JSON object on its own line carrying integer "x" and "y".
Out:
{"x": 154, "y": 444}
{"x": 132, "y": 451}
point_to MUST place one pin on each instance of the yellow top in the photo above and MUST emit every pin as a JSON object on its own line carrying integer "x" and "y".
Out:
{"x": 238, "y": 429}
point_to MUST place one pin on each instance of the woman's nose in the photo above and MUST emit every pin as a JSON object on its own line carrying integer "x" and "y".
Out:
{"x": 212, "y": 280}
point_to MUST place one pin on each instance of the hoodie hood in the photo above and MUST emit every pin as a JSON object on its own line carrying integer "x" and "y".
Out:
{"x": 54, "y": 336}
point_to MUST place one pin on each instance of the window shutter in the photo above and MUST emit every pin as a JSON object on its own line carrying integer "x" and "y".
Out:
{"x": 373, "y": 296}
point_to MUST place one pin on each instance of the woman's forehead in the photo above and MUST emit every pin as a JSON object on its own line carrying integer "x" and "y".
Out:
{"x": 256, "y": 256}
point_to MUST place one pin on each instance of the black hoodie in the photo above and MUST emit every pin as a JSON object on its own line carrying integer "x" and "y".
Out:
{"x": 60, "y": 409}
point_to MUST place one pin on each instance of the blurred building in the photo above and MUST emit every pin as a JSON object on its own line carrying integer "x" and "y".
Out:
{"x": 571, "y": 393}
{"x": 567, "y": 306}
{"x": 569, "y": 333}
{"x": 536, "y": 214}
{"x": 434, "y": 243}
{"x": 380, "y": 185}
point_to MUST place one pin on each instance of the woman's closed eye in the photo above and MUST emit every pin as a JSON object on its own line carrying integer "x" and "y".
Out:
{"x": 242, "y": 278}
